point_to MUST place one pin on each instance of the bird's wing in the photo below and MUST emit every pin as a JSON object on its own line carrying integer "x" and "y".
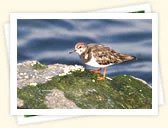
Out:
{"x": 105, "y": 55}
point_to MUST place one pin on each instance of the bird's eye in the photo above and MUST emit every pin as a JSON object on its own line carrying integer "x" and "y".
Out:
{"x": 80, "y": 47}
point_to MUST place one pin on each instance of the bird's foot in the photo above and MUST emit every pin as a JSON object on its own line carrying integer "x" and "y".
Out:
{"x": 100, "y": 78}
{"x": 96, "y": 71}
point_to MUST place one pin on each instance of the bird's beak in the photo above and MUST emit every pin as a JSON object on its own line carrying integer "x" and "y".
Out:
{"x": 72, "y": 51}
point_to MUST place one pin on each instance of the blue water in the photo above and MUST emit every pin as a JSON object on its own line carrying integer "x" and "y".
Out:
{"x": 49, "y": 41}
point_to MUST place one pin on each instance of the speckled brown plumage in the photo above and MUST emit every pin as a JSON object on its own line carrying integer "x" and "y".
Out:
{"x": 104, "y": 55}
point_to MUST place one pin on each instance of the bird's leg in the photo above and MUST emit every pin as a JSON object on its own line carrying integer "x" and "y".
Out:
{"x": 96, "y": 71}
{"x": 104, "y": 75}
{"x": 105, "y": 71}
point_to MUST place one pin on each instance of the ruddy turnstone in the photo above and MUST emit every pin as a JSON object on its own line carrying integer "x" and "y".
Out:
{"x": 100, "y": 56}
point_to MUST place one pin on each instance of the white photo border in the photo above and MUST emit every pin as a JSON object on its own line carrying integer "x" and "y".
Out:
{"x": 131, "y": 8}
{"x": 13, "y": 64}
{"x": 39, "y": 119}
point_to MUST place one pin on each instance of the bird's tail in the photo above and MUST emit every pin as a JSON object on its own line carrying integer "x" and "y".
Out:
{"x": 127, "y": 57}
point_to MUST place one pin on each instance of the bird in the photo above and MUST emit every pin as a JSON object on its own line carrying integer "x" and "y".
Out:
{"x": 100, "y": 56}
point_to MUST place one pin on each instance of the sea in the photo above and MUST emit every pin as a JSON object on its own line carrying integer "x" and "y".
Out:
{"x": 50, "y": 41}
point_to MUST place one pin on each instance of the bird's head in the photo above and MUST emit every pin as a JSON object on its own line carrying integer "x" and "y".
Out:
{"x": 80, "y": 47}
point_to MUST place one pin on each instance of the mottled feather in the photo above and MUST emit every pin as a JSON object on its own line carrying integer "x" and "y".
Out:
{"x": 105, "y": 55}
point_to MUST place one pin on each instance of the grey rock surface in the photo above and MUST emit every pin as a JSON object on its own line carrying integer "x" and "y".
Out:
{"x": 28, "y": 76}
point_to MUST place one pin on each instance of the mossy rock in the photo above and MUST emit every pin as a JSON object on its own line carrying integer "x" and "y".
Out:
{"x": 39, "y": 66}
{"x": 83, "y": 88}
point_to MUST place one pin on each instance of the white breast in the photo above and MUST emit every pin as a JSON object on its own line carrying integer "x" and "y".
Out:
{"x": 93, "y": 63}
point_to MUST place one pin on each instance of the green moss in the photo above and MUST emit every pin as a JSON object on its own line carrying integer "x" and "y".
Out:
{"x": 33, "y": 97}
{"x": 84, "y": 89}
{"x": 39, "y": 66}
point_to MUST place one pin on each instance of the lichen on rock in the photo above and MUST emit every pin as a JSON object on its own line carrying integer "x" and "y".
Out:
{"x": 56, "y": 99}
{"x": 76, "y": 87}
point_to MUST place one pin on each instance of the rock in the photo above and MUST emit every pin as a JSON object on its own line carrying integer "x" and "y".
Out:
{"x": 26, "y": 72}
{"x": 121, "y": 91}
{"x": 21, "y": 74}
{"x": 68, "y": 86}
{"x": 20, "y": 103}
{"x": 56, "y": 99}
{"x": 26, "y": 77}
